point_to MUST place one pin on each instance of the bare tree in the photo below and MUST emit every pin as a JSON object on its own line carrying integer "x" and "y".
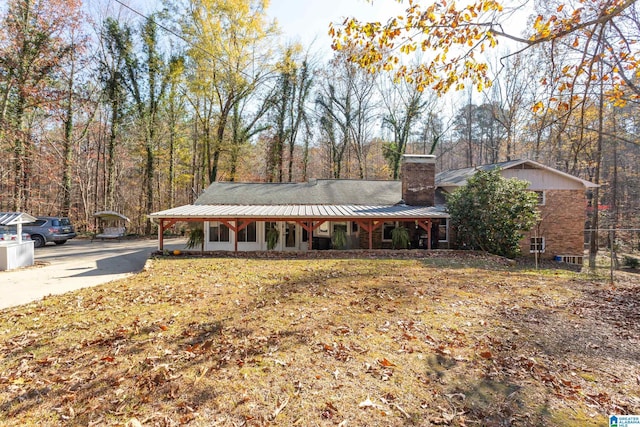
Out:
{"x": 346, "y": 103}
{"x": 288, "y": 115}
{"x": 34, "y": 47}
{"x": 403, "y": 109}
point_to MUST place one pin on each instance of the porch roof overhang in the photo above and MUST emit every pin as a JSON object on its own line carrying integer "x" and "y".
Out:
{"x": 301, "y": 212}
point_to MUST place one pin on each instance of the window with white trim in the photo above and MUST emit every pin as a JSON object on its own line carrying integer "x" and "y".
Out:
{"x": 541, "y": 197}
{"x": 339, "y": 225}
{"x": 443, "y": 230}
{"x": 218, "y": 232}
{"x": 536, "y": 245}
{"x": 248, "y": 234}
{"x": 387, "y": 229}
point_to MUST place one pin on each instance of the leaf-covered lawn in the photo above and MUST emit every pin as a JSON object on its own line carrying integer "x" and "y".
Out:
{"x": 348, "y": 342}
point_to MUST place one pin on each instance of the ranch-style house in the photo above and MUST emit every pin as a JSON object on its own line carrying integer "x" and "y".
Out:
{"x": 309, "y": 216}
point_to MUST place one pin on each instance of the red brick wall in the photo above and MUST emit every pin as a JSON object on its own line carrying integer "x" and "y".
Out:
{"x": 418, "y": 183}
{"x": 378, "y": 243}
{"x": 563, "y": 217}
{"x": 376, "y": 238}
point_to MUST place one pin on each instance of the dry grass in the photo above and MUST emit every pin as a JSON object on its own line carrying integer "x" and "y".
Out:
{"x": 349, "y": 342}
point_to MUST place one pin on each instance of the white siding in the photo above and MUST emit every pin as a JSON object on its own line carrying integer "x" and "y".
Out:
{"x": 540, "y": 179}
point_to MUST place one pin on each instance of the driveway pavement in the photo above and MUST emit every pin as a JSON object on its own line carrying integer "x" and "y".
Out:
{"x": 77, "y": 264}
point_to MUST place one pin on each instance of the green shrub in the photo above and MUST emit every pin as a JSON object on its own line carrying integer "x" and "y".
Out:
{"x": 631, "y": 262}
{"x": 196, "y": 237}
{"x": 339, "y": 238}
{"x": 273, "y": 234}
{"x": 400, "y": 238}
{"x": 493, "y": 213}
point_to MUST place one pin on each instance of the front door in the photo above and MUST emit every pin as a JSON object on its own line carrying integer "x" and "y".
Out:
{"x": 290, "y": 236}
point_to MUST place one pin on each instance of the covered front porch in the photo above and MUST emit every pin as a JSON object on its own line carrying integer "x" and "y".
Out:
{"x": 304, "y": 228}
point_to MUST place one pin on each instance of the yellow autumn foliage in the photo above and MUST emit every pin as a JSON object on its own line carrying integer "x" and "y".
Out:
{"x": 441, "y": 26}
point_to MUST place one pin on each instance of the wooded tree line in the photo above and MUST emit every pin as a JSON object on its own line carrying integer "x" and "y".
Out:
{"x": 113, "y": 110}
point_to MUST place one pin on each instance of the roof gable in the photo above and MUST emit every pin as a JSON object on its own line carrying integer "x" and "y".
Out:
{"x": 529, "y": 170}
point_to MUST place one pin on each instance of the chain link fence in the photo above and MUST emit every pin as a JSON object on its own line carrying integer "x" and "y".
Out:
{"x": 618, "y": 249}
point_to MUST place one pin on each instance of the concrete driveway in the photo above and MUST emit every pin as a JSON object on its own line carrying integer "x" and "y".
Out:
{"x": 77, "y": 264}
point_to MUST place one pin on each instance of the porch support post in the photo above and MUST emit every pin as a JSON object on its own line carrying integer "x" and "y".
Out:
{"x": 233, "y": 226}
{"x": 161, "y": 235}
{"x": 309, "y": 226}
{"x": 162, "y": 227}
{"x": 369, "y": 226}
{"x": 427, "y": 228}
{"x": 235, "y": 237}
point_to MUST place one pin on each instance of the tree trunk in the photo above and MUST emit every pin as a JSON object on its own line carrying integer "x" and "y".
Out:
{"x": 172, "y": 163}
{"x": 469, "y": 134}
{"x": 614, "y": 197}
{"x": 217, "y": 149}
{"x": 68, "y": 147}
{"x": 194, "y": 165}
{"x": 149, "y": 173}
{"x": 20, "y": 153}
{"x": 593, "y": 243}
{"x": 110, "y": 183}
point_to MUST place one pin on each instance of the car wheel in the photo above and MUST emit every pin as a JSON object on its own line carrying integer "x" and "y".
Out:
{"x": 60, "y": 242}
{"x": 38, "y": 241}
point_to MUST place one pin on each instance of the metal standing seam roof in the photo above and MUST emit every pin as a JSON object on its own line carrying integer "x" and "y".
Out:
{"x": 13, "y": 218}
{"x": 302, "y": 211}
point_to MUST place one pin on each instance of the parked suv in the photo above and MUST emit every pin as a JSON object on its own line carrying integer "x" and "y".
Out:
{"x": 49, "y": 229}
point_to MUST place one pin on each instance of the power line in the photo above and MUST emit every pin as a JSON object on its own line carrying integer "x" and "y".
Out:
{"x": 170, "y": 31}
{"x": 188, "y": 42}
{"x": 181, "y": 37}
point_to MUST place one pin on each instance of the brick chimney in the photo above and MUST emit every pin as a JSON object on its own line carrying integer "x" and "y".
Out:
{"x": 418, "y": 179}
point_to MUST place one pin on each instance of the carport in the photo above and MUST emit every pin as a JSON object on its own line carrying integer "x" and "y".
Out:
{"x": 112, "y": 225}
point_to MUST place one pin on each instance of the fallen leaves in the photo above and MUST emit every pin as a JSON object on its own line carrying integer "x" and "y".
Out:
{"x": 329, "y": 411}
{"x": 342, "y": 351}
{"x": 486, "y": 355}
{"x": 350, "y": 342}
{"x": 384, "y": 362}
{"x": 280, "y": 408}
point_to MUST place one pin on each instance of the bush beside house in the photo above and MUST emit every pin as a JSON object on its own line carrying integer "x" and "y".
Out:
{"x": 492, "y": 213}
